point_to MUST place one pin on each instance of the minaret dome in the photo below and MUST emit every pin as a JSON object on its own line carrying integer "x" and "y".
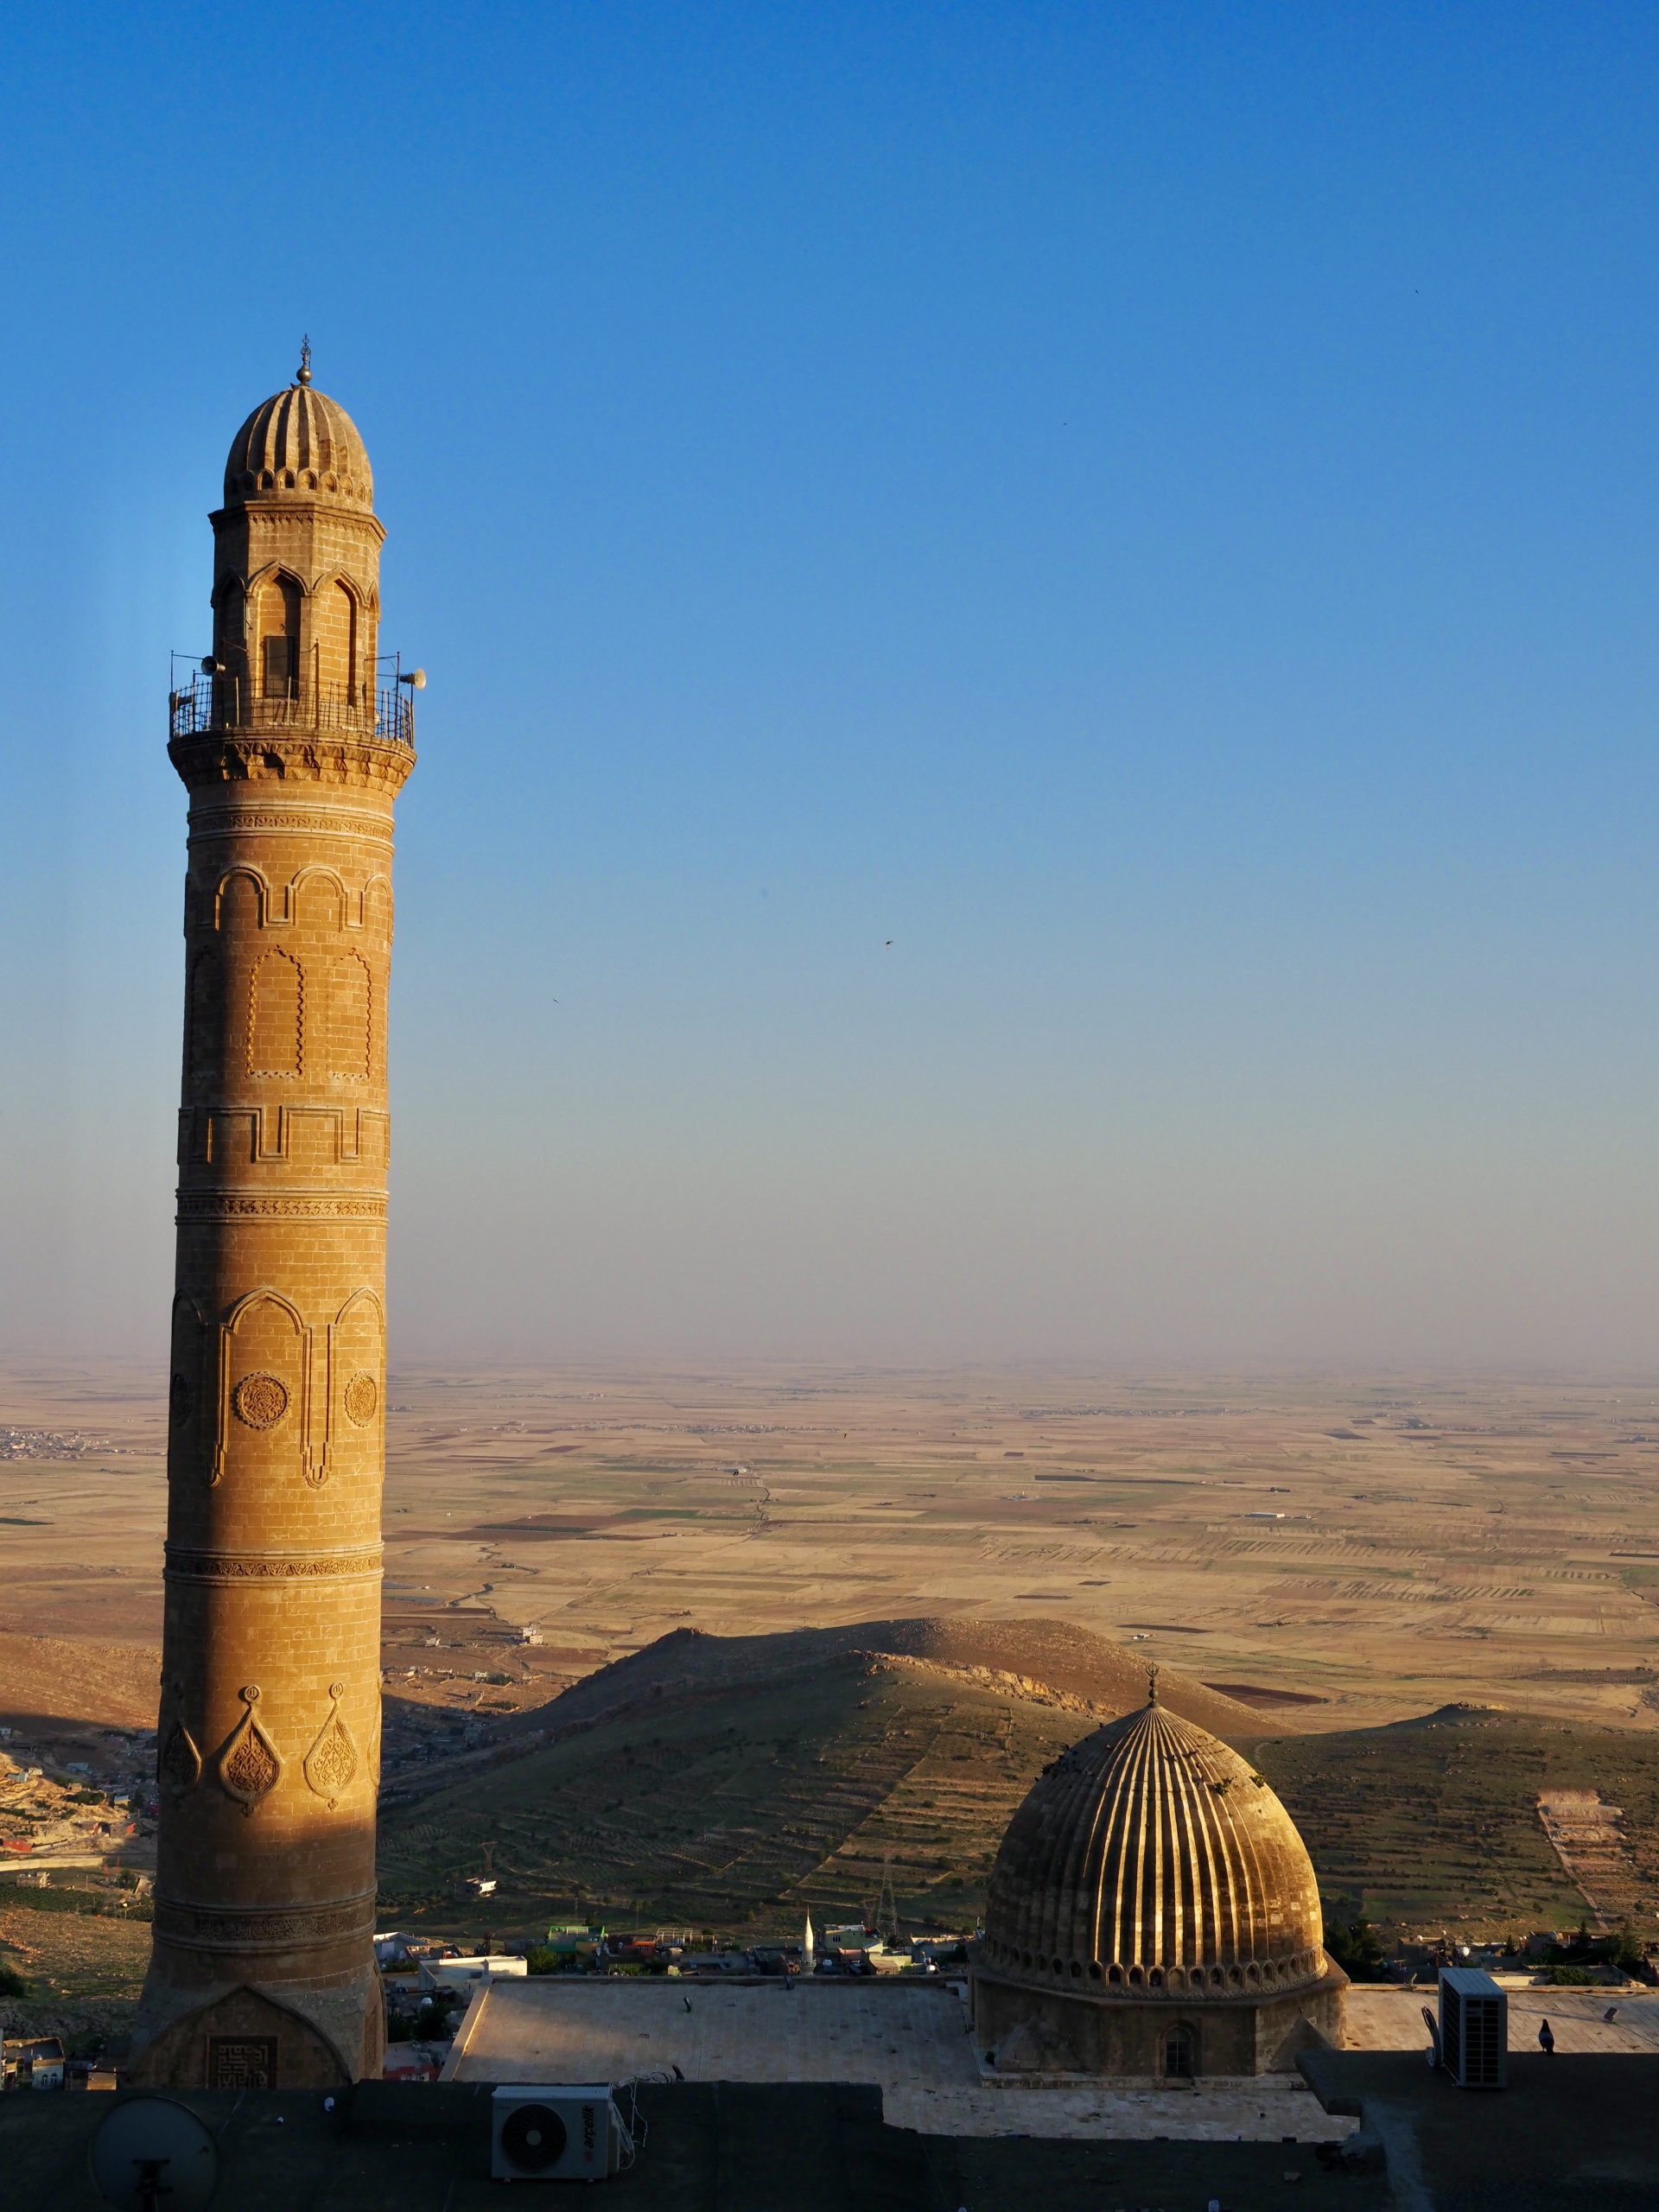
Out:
{"x": 299, "y": 444}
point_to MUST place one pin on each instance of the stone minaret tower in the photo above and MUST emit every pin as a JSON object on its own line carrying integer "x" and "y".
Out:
{"x": 262, "y": 1969}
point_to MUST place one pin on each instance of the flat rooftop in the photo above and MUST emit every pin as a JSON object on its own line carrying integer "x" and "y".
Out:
{"x": 910, "y": 2039}
{"x": 1385, "y": 2018}
{"x": 1571, "y": 2133}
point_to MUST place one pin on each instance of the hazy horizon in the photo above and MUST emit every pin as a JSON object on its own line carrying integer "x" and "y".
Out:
{"x": 1040, "y": 627}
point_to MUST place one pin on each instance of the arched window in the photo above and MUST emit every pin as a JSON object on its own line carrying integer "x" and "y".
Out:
{"x": 1180, "y": 2052}
{"x": 279, "y": 638}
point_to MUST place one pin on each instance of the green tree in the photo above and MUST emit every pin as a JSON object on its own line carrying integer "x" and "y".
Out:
{"x": 1357, "y": 1949}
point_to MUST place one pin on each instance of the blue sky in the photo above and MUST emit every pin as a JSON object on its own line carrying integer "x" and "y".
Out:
{"x": 1149, "y": 508}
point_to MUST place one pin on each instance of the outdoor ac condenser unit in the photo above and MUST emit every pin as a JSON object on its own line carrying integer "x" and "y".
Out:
{"x": 540, "y": 2132}
{"x": 1474, "y": 2029}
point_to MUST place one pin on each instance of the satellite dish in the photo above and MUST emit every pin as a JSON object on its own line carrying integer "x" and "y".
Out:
{"x": 151, "y": 2152}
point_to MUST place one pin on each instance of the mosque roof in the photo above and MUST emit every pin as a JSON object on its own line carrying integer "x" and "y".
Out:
{"x": 299, "y": 442}
{"x": 1151, "y": 1858}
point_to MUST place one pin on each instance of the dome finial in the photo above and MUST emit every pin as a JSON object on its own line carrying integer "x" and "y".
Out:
{"x": 304, "y": 377}
{"x": 1152, "y": 1683}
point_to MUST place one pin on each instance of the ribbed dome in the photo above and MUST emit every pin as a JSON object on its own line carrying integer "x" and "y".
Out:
{"x": 1150, "y": 1858}
{"x": 299, "y": 442}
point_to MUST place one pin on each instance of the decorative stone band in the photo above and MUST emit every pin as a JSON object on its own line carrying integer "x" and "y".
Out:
{"x": 361, "y": 763}
{"x": 1253, "y": 1978}
{"x": 189, "y": 1927}
{"x": 191, "y": 1566}
{"x": 331, "y": 818}
{"x": 303, "y": 1205}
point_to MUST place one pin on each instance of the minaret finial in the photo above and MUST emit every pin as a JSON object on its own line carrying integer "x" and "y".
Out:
{"x": 1152, "y": 1683}
{"x": 304, "y": 376}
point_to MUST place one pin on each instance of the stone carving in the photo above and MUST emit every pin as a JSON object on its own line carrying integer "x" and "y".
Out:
{"x": 179, "y": 1400}
{"x": 364, "y": 765}
{"x": 362, "y": 1397}
{"x": 276, "y": 1016}
{"x": 205, "y": 1928}
{"x": 271, "y": 1566}
{"x": 331, "y": 1763}
{"x": 260, "y": 1400}
{"x": 318, "y": 1206}
{"x": 220, "y": 821}
{"x": 241, "y": 2062}
{"x": 249, "y": 1764}
{"x": 374, "y": 1745}
{"x": 179, "y": 1766}
{"x": 209, "y": 1134}
{"x": 351, "y": 1043}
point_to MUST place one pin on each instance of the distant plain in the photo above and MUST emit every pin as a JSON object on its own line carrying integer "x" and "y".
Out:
{"x": 1429, "y": 1540}
{"x": 1317, "y": 1557}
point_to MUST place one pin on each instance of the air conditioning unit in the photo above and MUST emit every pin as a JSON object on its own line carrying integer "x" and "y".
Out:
{"x": 1474, "y": 2029}
{"x": 540, "y": 2132}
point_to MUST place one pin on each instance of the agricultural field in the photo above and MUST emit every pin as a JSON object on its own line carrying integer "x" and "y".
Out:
{"x": 736, "y": 1783}
{"x": 1331, "y": 1559}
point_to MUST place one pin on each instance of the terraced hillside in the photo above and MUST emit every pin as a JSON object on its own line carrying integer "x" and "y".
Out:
{"x": 735, "y": 1782}
{"x": 1433, "y": 1823}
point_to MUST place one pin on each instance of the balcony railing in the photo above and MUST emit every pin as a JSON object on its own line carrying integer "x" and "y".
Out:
{"x": 209, "y": 703}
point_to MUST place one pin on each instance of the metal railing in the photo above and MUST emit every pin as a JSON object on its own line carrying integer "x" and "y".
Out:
{"x": 209, "y": 703}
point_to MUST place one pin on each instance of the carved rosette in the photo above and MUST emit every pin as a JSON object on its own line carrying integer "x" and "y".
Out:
{"x": 249, "y": 1764}
{"x": 362, "y": 1397}
{"x": 260, "y": 1400}
{"x": 331, "y": 1763}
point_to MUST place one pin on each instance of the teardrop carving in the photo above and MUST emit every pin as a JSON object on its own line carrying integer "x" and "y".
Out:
{"x": 178, "y": 1765}
{"x": 249, "y": 1764}
{"x": 331, "y": 1763}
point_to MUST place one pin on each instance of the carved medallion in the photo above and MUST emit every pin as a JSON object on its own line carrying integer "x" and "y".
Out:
{"x": 178, "y": 1398}
{"x": 260, "y": 1400}
{"x": 332, "y": 1760}
{"x": 362, "y": 1396}
{"x": 250, "y": 1762}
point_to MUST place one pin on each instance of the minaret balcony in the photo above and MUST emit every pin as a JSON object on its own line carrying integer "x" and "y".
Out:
{"x": 211, "y": 704}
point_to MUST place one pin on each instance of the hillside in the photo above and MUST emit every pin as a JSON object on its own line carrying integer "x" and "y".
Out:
{"x": 1034, "y": 1658}
{"x": 45, "y": 1680}
{"x": 1434, "y": 1822}
{"x": 735, "y": 1782}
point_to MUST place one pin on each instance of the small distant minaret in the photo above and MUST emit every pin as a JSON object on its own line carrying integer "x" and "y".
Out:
{"x": 809, "y": 1948}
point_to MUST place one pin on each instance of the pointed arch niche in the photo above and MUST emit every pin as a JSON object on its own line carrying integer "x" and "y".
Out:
{"x": 357, "y": 1360}
{"x": 264, "y": 1388}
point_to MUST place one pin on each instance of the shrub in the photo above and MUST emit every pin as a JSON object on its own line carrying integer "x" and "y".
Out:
{"x": 1354, "y": 1946}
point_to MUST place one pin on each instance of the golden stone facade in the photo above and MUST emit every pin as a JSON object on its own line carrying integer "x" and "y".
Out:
{"x": 1152, "y": 1911}
{"x": 262, "y": 1968}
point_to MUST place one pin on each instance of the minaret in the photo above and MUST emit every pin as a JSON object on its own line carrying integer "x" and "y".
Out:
{"x": 292, "y": 748}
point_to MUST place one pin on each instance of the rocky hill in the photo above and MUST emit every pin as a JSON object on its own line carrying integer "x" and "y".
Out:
{"x": 735, "y": 1782}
